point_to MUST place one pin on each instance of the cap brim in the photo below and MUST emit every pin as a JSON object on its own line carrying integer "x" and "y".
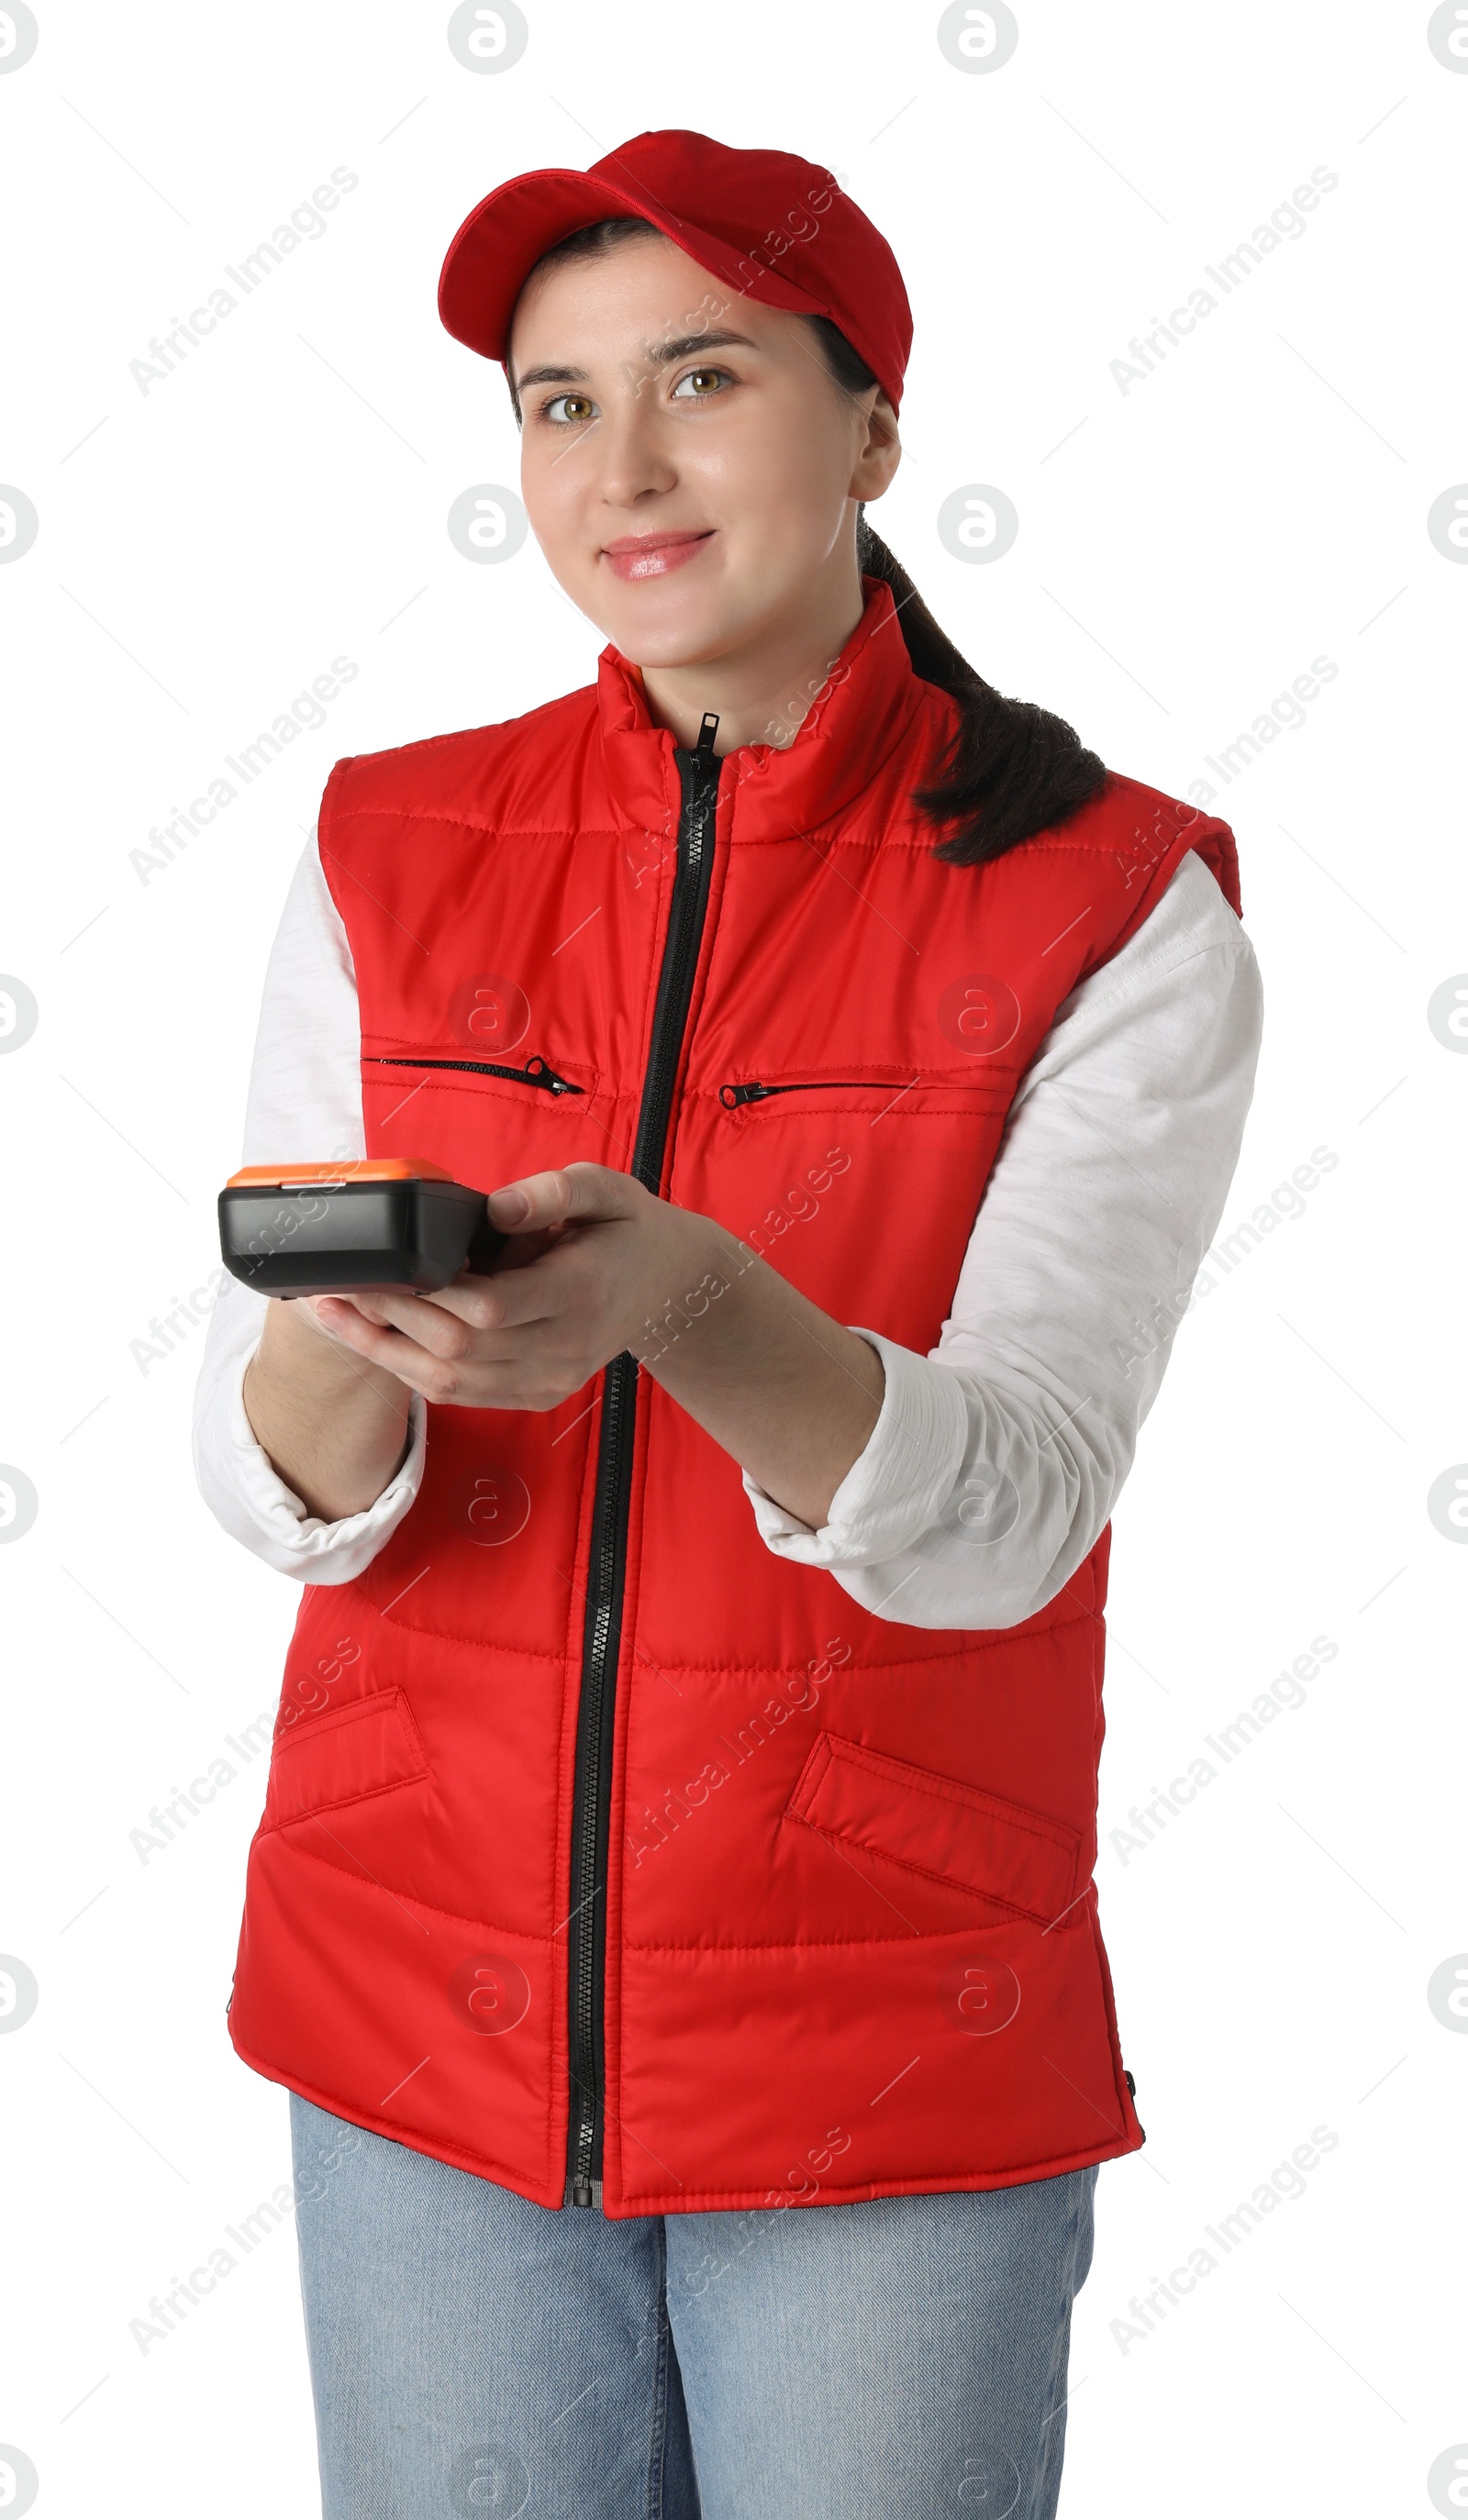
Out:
{"x": 486, "y": 266}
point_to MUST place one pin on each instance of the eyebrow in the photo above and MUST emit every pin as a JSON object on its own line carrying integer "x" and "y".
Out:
{"x": 658, "y": 354}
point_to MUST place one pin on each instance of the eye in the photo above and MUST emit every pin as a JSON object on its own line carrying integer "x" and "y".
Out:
{"x": 576, "y": 417}
{"x": 702, "y": 379}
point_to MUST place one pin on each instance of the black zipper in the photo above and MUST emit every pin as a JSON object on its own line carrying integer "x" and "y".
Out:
{"x": 534, "y": 1071}
{"x": 591, "y": 1798}
{"x": 731, "y": 1096}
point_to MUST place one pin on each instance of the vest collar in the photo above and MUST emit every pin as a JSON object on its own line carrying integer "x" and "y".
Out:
{"x": 865, "y": 709}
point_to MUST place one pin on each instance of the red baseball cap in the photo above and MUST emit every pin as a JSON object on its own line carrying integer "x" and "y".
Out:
{"x": 767, "y": 225}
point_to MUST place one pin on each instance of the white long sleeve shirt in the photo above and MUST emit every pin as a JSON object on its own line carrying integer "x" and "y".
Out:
{"x": 997, "y": 1457}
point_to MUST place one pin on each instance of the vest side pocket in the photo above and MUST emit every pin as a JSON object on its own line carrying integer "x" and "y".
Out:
{"x": 953, "y": 1832}
{"x": 342, "y": 1757}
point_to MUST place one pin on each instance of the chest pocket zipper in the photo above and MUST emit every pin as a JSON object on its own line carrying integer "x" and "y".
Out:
{"x": 731, "y": 1096}
{"x": 535, "y": 1070}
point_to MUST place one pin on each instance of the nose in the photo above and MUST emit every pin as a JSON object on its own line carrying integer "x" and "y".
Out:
{"x": 628, "y": 446}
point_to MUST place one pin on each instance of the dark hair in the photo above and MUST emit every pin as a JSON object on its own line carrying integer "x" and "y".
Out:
{"x": 1010, "y": 769}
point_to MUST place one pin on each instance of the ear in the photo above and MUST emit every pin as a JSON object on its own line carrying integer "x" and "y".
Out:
{"x": 881, "y": 450}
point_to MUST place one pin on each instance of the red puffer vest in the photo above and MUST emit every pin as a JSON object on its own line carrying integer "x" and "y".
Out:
{"x": 606, "y": 1854}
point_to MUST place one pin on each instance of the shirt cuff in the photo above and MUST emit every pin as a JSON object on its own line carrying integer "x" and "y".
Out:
{"x": 301, "y": 1543}
{"x": 899, "y": 1483}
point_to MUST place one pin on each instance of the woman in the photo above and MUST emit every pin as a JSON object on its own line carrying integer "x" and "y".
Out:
{"x": 672, "y": 1912}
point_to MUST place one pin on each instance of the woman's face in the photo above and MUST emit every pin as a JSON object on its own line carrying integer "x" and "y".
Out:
{"x": 687, "y": 461}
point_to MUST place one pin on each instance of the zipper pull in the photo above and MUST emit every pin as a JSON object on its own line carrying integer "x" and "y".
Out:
{"x": 731, "y": 1096}
{"x": 539, "y": 1072}
{"x": 707, "y": 733}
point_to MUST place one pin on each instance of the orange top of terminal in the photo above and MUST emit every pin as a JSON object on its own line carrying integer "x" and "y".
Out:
{"x": 376, "y": 1168}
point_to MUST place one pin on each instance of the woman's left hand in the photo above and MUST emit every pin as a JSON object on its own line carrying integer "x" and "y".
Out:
{"x": 593, "y": 1260}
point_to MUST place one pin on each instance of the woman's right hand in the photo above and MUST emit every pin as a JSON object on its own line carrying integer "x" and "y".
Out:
{"x": 336, "y": 1427}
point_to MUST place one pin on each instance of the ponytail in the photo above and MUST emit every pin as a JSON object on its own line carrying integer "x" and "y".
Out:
{"x": 1011, "y": 769}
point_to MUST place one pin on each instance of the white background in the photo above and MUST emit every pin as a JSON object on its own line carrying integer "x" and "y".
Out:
{"x": 1186, "y": 549}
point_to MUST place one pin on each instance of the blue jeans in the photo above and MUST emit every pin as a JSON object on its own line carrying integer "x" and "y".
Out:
{"x": 473, "y": 2354}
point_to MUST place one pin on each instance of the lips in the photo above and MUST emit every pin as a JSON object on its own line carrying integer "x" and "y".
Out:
{"x": 645, "y": 556}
